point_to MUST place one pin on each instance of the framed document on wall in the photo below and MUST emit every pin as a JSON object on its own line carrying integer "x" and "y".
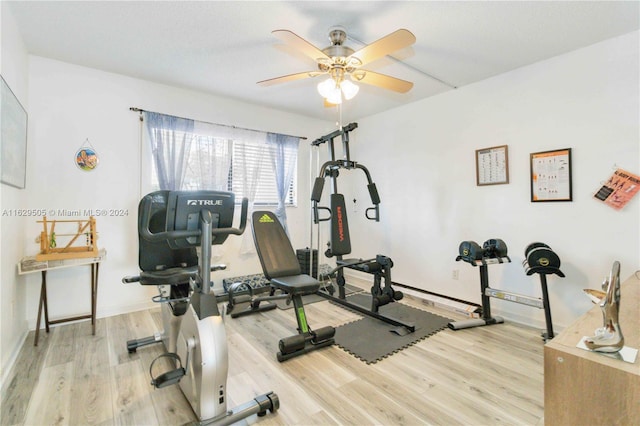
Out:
{"x": 492, "y": 165}
{"x": 551, "y": 176}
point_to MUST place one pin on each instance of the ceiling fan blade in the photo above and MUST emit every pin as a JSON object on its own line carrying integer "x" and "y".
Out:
{"x": 390, "y": 43}
{"x": 289, "y": 77}
{"x": 301, "y": 44}
{"x": 382, "y": 80}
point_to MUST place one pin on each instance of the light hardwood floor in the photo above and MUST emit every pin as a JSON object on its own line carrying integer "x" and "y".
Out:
{"x": 481, "y": 376}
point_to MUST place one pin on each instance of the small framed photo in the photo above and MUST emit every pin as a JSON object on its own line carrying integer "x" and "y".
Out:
{"x": 492, "y": 165}
{"x": 551, "y": 176}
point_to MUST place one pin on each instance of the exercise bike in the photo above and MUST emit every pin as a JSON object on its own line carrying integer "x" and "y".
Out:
{"x": 171, "y": 224}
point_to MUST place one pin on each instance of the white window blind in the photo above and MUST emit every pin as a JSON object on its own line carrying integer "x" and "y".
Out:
{"x": 251, "y": 156}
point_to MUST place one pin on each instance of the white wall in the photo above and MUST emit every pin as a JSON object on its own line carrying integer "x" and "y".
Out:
{"x": 69, "y": 104}
{"x": 13, "y": 327}
{"x": 422, "y": 157}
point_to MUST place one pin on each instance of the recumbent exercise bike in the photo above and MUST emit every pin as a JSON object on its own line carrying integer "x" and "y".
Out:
{"x": 171, "y": 224}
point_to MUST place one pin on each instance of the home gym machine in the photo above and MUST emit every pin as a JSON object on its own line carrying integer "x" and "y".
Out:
{"x": 539, "y": 259}
{"x": 171, "y": 224}
{"x": 340, "y": 243}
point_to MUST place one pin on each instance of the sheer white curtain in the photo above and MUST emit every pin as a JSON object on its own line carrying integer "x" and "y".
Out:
{"x": 210, "y": 163}
{"x": 283, "y": 151}
{"x": 213, "y": 146}
{"x": 170, "y": 139}
{"x": 249, "y": 145}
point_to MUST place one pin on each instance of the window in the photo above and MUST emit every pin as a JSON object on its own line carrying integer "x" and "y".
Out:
{"x": 209, "y": 156}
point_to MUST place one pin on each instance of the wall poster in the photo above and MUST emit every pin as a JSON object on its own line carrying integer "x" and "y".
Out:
{"x": 619, "y": 189}
{"x": 492, "y": 165}
{"x": 551, "y": 176}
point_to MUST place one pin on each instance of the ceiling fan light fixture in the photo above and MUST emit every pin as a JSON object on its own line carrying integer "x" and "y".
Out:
{"x": 335, "y": 97}
{"x": 329, "y": 90}
{"x": 327, "y": 87}
{"x": 349, "y": 89}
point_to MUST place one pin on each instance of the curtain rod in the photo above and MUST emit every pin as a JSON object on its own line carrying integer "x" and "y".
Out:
{"x": 134, "y": 109}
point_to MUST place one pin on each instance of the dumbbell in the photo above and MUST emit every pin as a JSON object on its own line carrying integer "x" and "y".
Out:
{"x": 534, "y": 246}
{"x": 495, "y": 247}
{"x": 470, "y": 251}
{"x": 539, "y": 257}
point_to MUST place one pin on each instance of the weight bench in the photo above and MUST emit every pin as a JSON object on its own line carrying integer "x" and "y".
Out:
{"x": 280, "y": 266}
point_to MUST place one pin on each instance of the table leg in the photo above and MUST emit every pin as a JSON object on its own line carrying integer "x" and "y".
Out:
{"x": 94, "y": 295}
{"x": 46, "y": 301}
{"x": 42, "y": 304}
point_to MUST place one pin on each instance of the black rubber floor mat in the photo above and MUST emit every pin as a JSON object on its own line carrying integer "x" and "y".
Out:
{"x": 313, "y": 298}
{"x": 371, "y": 340}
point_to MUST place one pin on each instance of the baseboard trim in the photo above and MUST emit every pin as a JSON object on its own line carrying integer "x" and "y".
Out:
{"x": 8, "y": 368}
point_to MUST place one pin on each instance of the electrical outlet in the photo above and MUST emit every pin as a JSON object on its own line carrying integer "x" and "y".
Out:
{"x": 455, "y": 274}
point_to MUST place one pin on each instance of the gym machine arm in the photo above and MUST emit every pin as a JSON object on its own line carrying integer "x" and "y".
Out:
{"x": 330, "y": 168}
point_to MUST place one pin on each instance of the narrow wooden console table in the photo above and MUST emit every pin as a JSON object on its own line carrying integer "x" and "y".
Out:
{"x": 586, "y": 388}
{"x": 30, "y": 265}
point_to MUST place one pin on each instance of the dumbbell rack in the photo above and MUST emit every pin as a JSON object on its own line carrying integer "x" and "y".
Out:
{"x": 487, "y": 292}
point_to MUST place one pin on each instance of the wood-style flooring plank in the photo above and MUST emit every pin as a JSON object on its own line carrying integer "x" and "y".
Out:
{"x": 118, "y": 333}
{"x": 132, "y": 404}
{"x": 23, "y": 379}
{"x": 91, "y": 404}
{"x": 64, "y": 341}
{"x": 50, "y": 403}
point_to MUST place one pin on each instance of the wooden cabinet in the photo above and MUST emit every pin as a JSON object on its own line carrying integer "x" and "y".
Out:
{"x": 586, "y": 388}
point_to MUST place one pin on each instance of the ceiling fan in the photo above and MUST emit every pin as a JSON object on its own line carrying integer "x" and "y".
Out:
{"x": 343, "y": 64}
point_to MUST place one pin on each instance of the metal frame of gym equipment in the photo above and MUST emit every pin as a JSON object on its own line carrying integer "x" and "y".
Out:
{"x": 340, "y": 243}
{"x": 539, "y": 259}
{"x": 194, "y": 333}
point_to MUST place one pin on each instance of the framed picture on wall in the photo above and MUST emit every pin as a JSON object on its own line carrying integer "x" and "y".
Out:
{"x": 551, "y": 176}
{"x": 13, "y": 134}
{"x": 492, "y": 165}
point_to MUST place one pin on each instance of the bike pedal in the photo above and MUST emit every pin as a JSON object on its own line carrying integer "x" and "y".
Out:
{"x": 169, "y": 378}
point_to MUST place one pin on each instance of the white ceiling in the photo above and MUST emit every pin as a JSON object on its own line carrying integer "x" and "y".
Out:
{"x": 225, "y": 47}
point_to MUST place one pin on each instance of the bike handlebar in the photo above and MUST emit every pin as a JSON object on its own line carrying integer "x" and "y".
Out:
{"x": 181, "y": 234}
